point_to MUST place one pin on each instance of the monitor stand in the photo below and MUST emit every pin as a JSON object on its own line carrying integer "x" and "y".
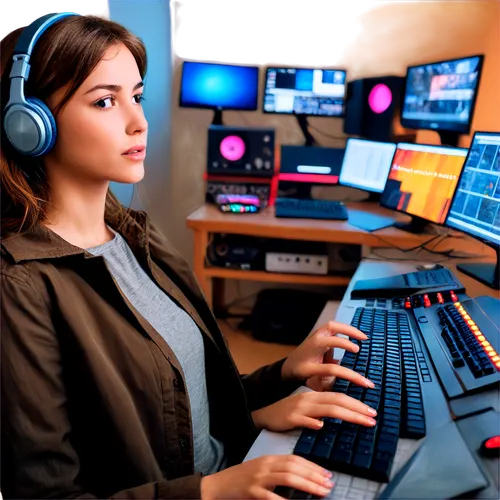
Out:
{"x": 217, "y": 119}
{"x": 416, "y": 225}
{"x": 487, "y": 273}
{"x": 449, "y": 138}
{"x": 375, "y": 197}
{"x": 304, "y": 126}
{"x": 303, "y": 191}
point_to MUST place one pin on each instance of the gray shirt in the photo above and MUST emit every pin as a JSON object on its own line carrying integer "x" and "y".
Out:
{"x": 182, "y": 335}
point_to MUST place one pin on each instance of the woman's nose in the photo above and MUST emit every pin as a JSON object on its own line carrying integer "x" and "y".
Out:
{"x": 137, "y": 121}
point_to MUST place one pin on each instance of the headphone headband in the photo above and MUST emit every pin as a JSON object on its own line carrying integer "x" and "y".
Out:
{"x": 28, "y": 123}
{"x": 34, "y": 31}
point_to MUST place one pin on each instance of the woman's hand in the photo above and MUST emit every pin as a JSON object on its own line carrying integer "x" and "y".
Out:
{"x": 305, "y": 410}
{"x": 257, "y": 478}
{"x": 313, "y": 359}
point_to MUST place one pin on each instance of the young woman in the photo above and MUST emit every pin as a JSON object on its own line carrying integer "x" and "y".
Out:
{"x": 115, "y": 379}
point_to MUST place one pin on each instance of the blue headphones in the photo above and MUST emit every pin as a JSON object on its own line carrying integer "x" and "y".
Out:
{"x": 28, "y": 123}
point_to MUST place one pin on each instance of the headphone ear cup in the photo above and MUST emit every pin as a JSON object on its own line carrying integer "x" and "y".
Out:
{"x": 49, "y": 138}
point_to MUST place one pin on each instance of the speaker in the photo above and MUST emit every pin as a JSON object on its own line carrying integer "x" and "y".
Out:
{"x": 240, "y": 151}
{"x": 371, "y": 106}
{"x": 236, "y": 251}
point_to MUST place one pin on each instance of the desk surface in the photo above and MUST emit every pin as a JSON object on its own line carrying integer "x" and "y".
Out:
{"x": 210, "y": 219}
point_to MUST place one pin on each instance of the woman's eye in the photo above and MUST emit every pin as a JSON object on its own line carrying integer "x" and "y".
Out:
{"x": 108, "y": 102}
{"x": 104, "y": 103}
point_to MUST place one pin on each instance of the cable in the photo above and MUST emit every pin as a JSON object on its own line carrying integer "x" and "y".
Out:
{"x": 421, "y": 245}
{"x": 243, "y": 117}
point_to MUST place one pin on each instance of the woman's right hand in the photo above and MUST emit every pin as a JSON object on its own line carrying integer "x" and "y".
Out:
{"x": 257, "y": 478}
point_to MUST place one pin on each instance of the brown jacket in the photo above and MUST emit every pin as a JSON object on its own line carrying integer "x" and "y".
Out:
{"x": 93, "y": 399}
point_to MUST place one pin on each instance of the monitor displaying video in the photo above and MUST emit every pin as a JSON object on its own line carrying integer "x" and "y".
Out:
{"x": 441, "y": 96}
{"x": 219, "y": 86}
{"x": 422, "y": 180}
{"x": 366, "y": 164}
{"x": 300, "y": 91}
{"x": 476, "y": 206}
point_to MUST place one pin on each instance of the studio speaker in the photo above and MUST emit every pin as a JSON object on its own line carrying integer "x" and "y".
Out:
{"x": 372, "y": 105}
{"x": 240, "y": 151}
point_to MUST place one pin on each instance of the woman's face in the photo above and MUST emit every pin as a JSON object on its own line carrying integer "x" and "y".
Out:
{"x": 102, "y": 124}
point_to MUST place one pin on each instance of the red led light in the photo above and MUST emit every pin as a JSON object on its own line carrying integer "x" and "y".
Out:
{"x": 407, "y": 305}
{"x": 440, "y": 298}
{"x": 453, "y": 296}
{"x": 493, "y": 442}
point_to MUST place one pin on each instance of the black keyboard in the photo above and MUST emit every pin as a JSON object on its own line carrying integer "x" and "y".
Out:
{"x": 435, "y": 278}
{"x": 387, "y": 358}
{"x": 464, "y": 347}
{"x": 310, "y": 209}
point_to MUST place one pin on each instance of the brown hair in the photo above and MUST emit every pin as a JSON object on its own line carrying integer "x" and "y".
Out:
{"x": 66, "y": 54}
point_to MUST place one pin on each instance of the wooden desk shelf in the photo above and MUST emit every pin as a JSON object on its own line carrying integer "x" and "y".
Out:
{"x": 309, "y": 279}
{"x": 209, "y": 219}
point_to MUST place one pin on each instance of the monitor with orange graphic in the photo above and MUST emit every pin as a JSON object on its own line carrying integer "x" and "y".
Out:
{"x": 422, "y": 180}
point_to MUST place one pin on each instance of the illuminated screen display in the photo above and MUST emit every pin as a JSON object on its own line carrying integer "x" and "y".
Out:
{"x": 301, "y": 91}
{"x": 366, "y": 164}
{"x": 441, "y": 96}
{"x": 219, "y": 86}
{"x": 422, "y": 180}
{"x": 476, "y": 206}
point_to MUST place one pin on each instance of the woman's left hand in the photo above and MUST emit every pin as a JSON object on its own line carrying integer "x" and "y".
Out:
{"x": 312, "y": 360}
{"x": 307, "y": 410}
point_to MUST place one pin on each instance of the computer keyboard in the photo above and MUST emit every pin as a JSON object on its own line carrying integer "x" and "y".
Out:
{"x": 462, "y": 344}
{"x": 310, "y": 209}
{"x": 388, "y": 358}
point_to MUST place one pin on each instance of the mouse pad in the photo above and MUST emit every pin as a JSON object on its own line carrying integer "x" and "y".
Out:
{"x": 368, "y": 221}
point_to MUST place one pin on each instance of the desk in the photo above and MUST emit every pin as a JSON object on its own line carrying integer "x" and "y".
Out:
{"x": 439, "y": 414}
{"x": 209, "y": 219}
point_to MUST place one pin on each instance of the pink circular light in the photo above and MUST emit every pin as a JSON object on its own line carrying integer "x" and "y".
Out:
{"x": 232, "y": 148}
{"x": 380, "y": 98}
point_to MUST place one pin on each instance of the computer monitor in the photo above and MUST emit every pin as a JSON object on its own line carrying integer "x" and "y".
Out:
{"x": 303, "y": 167}
{"x": 366, "y": 164}
{"x": 421, "y": 183}
{"x": 219, "y": 87}
{"x": 441, "y": 96}
{"x": 475, "y": 208}
{"x": 304, "y": 92}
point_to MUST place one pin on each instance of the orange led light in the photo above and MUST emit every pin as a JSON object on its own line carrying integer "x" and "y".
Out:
{"x": 488, "y": 349}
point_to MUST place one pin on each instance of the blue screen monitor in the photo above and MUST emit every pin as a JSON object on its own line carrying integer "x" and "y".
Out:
{"x": 219, "y": 86}
{"x": 441, "y": 96}
{"x": 301, "y": 91}
{"x": 475, "y": 208}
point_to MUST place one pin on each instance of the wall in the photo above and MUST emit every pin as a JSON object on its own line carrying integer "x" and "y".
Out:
{"x": 392, "y": 36}
{"x": 150, "y": 20}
